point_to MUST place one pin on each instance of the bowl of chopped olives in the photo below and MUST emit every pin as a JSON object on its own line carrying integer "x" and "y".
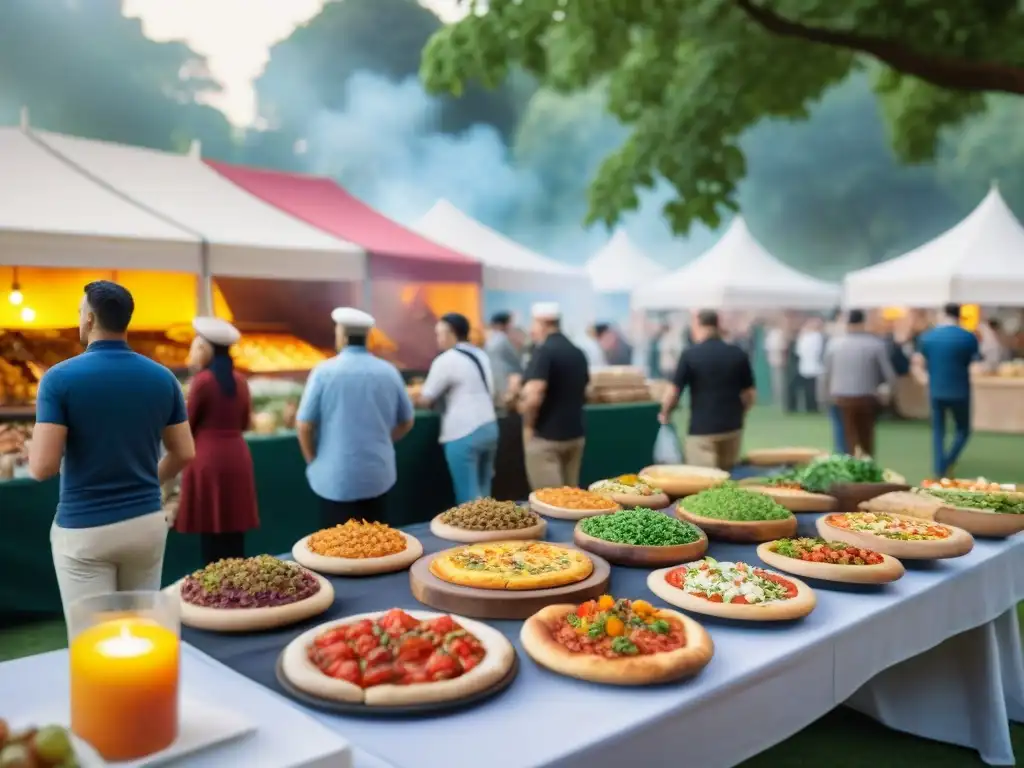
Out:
{"x": 488, "y": 520}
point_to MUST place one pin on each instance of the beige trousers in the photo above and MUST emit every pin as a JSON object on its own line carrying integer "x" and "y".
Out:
{"x": 553, "y": 463}
{"x": 720, "y": 451}
{"x": 120, "y": 557}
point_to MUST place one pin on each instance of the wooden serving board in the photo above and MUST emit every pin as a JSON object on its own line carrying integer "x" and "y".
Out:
{"x": 638, "y": 556}
{"x": 502, "y": 604}
{"x": 796, "y": 501}
{"x": 468, "y": 536}
{"x": 977, "y": 522}
{"x": 773, "y": 457}
{"x": 744, "y": 531}
{"x": 959, "y": 543}
{"x": 887, "y": 571}
{"x": 849, "y": 496}
{"x": 682, "y": 480}
{"x": 561, "y": 513}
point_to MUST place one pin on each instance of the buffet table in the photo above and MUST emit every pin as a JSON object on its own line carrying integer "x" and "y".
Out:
{"x": 620, "y": 439}
{"x": 936, "y": 654}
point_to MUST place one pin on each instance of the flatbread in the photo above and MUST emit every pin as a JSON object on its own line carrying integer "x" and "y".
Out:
{"x": 678, "y": 480}
{"x": 772, "y": 457}
{"x": 253, "y": 619}
{"x": 650, "y": 669}
{"x": 569, "y": 566}
{"x": 778, "y": 610}
{"x": 358, "y": 566}
{"x": 796, "y": 500}
{"x": 563, "y": 513}
{"x": 307, "y": 677}
{"x": 889, "y": 570}
{"x": 958, "y": 543}
{"x": 977, "y": 522}
{"x": 468, "y": 536}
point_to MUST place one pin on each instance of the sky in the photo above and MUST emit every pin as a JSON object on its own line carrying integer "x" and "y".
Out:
{"x": 236, "y": 36}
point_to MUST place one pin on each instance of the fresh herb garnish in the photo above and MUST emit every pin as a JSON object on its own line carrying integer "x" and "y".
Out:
{"x": 624, "y": 646}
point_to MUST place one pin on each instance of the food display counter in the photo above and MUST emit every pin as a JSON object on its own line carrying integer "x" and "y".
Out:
{"x": 997, "y": 403}
{"x": 620, "y": 438}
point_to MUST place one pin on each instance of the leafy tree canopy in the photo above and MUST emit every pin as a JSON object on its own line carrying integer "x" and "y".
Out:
{"x": 689, "y": 77}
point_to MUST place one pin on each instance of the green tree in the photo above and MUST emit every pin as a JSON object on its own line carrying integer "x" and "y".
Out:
{"x": 83, "y": 68}
{"x": 309, "y": 70}
{"x": 691, "y": 76}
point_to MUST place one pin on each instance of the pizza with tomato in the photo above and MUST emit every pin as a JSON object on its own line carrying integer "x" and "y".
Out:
{"x": 897, "y": 535}
{"x": 618, "y": 642}
{"x": 817, "y": 558}
{"x": 732, "y": 590}
{"x": 514, "y": 565}
{"x": 397, "y": 658}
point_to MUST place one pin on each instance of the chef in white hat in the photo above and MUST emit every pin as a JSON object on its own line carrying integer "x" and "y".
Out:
{"x": 554, "y": 393}
{"x": 218, "y": 489}
{"x": 353, "y": 409}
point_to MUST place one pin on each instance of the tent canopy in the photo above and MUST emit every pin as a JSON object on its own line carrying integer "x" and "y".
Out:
{"x": 507, "y": 265}
{"x": 395, "y": 252}
{"x": 52, "y": 215}
{"x": 620, "y": 266}
{"x": 978, "y": 261}
{"x": 737, "y": 273}
{"x": 246, "y": 237}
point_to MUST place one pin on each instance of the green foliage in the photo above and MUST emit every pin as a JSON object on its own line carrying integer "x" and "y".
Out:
{"x": 308, "y": 71}
{"x": 87, "y": 70}
{"x": 689, "y": 77}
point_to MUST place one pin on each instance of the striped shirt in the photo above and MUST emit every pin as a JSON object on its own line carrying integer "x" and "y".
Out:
{"x": 856, "y": 365}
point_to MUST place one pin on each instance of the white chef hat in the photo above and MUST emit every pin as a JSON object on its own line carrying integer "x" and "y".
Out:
{"x": 353, "y": 320}
{"x": 216, "y": 331}
{"x": 546, "y": 310}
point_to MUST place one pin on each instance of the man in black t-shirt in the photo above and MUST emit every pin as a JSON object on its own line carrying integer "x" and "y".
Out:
{"x": 554, "y": 393}
{"x": 721, "y": 384}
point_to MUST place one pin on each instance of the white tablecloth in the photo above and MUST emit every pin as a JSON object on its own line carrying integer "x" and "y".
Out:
{"x": 953, "y": 620}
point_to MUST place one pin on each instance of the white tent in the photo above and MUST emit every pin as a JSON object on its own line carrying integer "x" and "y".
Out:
{"x": 979, "y": 261}
{"x": 245, "y": 236}
{"x": 620, "y": 266}
{"x": 508, "y": 266}
{"x": 51, "y": 215}
{"x": 737, "y": 273}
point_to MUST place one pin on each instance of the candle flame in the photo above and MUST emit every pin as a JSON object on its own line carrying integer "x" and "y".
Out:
{"x": 125, "y": 644}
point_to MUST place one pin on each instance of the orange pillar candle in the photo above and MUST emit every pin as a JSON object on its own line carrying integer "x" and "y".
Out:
{"x": 124, "y": 688}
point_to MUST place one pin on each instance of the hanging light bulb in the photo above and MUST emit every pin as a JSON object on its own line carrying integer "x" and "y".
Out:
{"x": 27, "y": 314}
{"x": 16, "y": 297}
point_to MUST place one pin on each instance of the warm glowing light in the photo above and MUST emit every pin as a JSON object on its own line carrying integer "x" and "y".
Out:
{"x": 27, "y": 314}
{"x": 15, "y": 297}
{"x": 124, "y": 646}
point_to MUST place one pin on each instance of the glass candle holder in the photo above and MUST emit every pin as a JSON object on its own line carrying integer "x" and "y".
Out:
{"x": 125, "y": 652}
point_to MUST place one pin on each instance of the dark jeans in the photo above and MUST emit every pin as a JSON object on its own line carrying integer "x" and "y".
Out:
{"x": 334, "y": 513}
{"x": 961, "y": 412}
{"x": 838, "y": 433}
{"x": 221, "y": 546}
{"x": 807, "y": 390}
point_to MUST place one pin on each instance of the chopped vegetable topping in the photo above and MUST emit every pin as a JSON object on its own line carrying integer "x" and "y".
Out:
{"x": 735, "y": 583}
{"x": 1003, "y": 503}
{"x": 889, "y": 527}
{"x": 641, "y": 527}
{"x": 357, "y": 539}
{"x": 821, "y": 551}
{"x": 254, "y": 582}
{"x": 615, "y": 628}
{"x": 730, "y": 502}
{"x": 631, "y": 484}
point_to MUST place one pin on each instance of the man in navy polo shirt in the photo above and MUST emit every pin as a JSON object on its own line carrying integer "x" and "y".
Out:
{"x": 104, "y": 414}
{"x": 949, "y": 351}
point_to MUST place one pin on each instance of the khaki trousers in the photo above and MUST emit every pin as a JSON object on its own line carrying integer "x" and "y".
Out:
{"x": 553, "y": 463}
{"x": 120, "y": 557}
{"x": 721, "y": 451}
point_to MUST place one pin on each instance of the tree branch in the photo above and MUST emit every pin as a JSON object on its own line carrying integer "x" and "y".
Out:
{"x": 943, "y": 71}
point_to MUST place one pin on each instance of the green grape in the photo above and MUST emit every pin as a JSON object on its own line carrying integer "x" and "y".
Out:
{"x": 53, "y": 745}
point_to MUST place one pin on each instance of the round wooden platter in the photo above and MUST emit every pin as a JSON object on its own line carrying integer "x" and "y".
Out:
{"x": 640, "y": 556}
{"x": 889, "y": 570}
{"x": 741, "y": 531}
{"x": 365, "y": 566}
{"x": 794, "y": 500}
{"x": 773, "y": 457}
{"x": 253, "y": 619}
{"x": 537, "y": 639}
{"x": 779, "y": 610}
{"x": 679, "y": 480}
{"x": 633, "y": 500}
{"x": 468, "y": 536}
{"x": 561, "y": 513}
{"x": 959, "y": 543}
{"x": 978, "y": 522}
{"x": 500, "y": 603}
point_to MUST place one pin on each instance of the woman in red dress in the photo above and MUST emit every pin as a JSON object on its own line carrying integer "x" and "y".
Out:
{"x": 218, "y": 490}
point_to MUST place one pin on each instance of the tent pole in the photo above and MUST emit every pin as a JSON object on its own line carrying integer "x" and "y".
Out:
{"x": 25, "y": 122}
{"x": 204, "y": 285}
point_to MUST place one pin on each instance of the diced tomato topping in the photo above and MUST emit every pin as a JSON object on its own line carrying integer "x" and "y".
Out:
{"x": 384, "y": 673}
{"x": 442, "y": 625}
{"x": 363, "y": 627}
{"x": 397, "y": 622}
{"x": 366, "y": 643}
{"x": 349, "y": 670}
{"x": 441, "y": 666}
{"x": 587, "y": 608}
{"x": 415, "y": 648}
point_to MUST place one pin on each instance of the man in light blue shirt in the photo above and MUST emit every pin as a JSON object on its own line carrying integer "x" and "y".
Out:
{"x": 353, "y": 409}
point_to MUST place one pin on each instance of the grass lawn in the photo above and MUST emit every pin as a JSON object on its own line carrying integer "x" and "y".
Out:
{"x": 842, "y": 738}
